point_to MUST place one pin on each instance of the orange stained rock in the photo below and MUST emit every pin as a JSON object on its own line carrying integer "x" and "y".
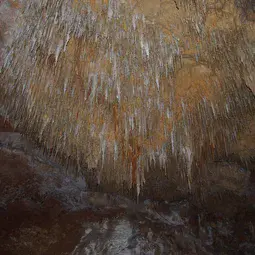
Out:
{"x": 134, "y": 152}
{"x": 14, "y": 4}
{"x": 192, "y": 84}
{"x": 96, "y": 5}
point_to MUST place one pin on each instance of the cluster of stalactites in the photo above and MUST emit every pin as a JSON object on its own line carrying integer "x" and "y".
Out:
{"x": 137, "y": 53}
{"x": 124, "y": 84}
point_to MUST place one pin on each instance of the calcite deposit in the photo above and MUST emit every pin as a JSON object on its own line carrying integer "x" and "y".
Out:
{"x": 127, "y": 87}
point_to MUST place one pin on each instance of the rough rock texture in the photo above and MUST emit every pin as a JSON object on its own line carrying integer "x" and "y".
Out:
{"x": 124, "y": 87}
{"x": 44, "y": 211}
{"x": 245, "y": 142}
{"x": 167, "y": 86}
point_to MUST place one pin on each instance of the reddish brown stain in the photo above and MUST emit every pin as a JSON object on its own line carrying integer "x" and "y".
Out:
{"x": 5, "y": 125}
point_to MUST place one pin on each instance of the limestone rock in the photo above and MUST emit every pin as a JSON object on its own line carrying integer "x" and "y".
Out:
{"x": 117, "y": 88}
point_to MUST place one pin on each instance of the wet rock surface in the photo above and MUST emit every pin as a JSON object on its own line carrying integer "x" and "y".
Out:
{"x": 45, "y": 211}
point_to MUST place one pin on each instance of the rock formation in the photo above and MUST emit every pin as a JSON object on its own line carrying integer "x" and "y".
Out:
{"x": 43, "y": 211}
{"x": 129, "y": 89}
{"x": 156, "y": 95}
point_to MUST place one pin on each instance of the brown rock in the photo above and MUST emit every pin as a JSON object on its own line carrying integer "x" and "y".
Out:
{"x": 24, "y": 206}
{"x": 52, "y": 207}
{"x": 63, "y": 121}
{"x": 5, "y": 125}
{"x": 224, "y": 177}
{"x": 245, "y": 144}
